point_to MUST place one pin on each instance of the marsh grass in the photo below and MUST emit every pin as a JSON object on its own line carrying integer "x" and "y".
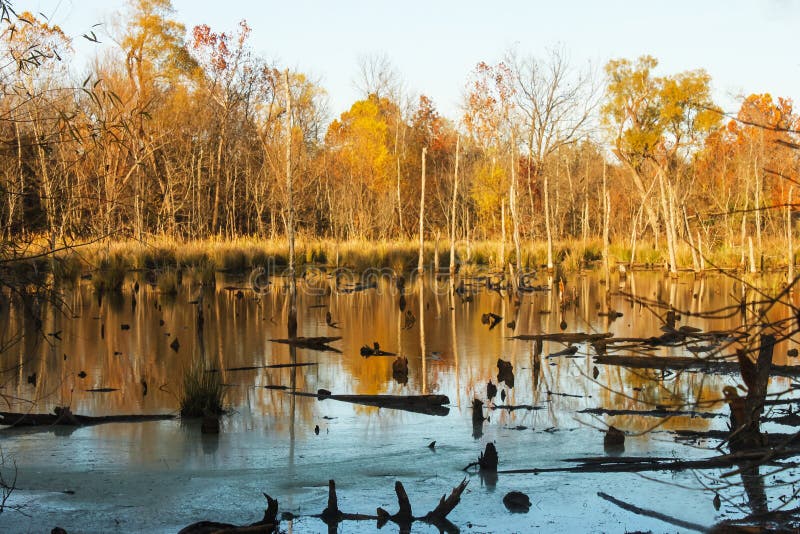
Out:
{"x": 241, "y": 254}
{"x": 202, "y": 392}
{"x": 169, "y": 281}
{"x": 110, "y": 273}
{"x": 205, "y": 273}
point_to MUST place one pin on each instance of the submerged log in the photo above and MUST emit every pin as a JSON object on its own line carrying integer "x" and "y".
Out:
{"x": 268, "y": 524}
{"x": 404, "y": 517}
{"x": 512, "y": 407}
{"x": 649, "y": 513}
{"x": 566, "y": 337}
{"x": 64, "y": 416}
{"x": 657, "y": 412}
{"x": 425, "y": 404}
{"x": 312, "y": 343}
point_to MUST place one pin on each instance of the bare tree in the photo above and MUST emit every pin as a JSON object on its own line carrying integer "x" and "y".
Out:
{"x": 557, "y": 104}
{"x": 377, "y": 76}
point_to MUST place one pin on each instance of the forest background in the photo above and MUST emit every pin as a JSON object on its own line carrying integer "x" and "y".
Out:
{"x": 172, "y": 150}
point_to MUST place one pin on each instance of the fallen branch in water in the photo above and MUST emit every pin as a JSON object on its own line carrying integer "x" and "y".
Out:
{"x": 511, "y": 408}
{"x": 710, "y": 365}
{"x": 658, "y": 412}
{"x": 404, "y": 517}
{"x": 650, "y": 513}
{"x": 311, "y": 343}
{"x": 64, "y": 416}
{"x": 571, "y": 337}
{"x": 425, "y": 404}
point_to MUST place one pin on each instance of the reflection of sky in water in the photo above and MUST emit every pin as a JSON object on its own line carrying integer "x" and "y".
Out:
{"x": 364, "y": 448}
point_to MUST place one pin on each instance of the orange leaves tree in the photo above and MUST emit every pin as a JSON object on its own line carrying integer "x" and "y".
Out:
{"x": 748, "y": 165}
{"x": 487, "y": 119}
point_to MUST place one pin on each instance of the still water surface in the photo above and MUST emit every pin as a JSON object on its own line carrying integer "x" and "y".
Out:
{"x": 160, "y": 476}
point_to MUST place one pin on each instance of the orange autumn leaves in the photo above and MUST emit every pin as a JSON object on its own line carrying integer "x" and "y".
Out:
{"x": 759, "y": 141}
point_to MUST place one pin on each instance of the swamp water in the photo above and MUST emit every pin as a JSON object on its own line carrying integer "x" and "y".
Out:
{"x": 163, "y": 475}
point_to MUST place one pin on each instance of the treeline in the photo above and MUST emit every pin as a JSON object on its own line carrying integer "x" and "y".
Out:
{"x": 183, "y": 133}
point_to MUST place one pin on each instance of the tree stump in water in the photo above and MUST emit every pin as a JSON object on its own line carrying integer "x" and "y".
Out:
{"x": 505, "y": 372}
{"x": 488, "y": 459}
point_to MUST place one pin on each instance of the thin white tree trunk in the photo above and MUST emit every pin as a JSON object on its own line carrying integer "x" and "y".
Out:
{"x": 513, "y": 205}
{"x": 453, "y": 212}
{"x": 420, "y": 265}
{"x": 292, "y": 319}
{"x": 789, "y": 241}
{"x": 547, "y": 224}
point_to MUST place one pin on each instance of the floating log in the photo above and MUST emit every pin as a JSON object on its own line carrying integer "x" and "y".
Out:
{"x": 658, "y": 412}
{"x": 311, "y": 343}
{"x": 569, "y": 351}
{"x": 424, "y": 404}
{"x": 567, "y": 337}
{"x": 101, "y": 390}
{"x": 511, "y": 408}
{"x": 715, "y": 365}
{"x": 375, "y": 350}
{"x": 64, "y": 416}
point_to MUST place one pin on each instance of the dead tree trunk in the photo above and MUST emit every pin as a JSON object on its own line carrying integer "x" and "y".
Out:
{"x": 453, "y": 212}
{"x": 513, "y": 205}
{"x": 789, "y": 242}
{"x": 420, "y": 265}
{"x": 292, "y": 319}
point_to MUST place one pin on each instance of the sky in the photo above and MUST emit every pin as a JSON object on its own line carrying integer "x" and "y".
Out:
{"x": 746, "y": 46}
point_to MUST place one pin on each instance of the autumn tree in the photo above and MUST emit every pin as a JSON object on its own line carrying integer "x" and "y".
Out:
{"x": 656, "y": 124}
{"x": 556, "y": 105}
{"x": 361, "y": 157}
{"x": 487, "y": 119}
{"x": 748, "y": 166}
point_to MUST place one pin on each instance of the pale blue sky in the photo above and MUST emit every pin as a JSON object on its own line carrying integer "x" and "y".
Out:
{"x": 746, "y": 46}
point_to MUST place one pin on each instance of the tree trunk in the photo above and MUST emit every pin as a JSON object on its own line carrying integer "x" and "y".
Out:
{"x": 757, "y": 206}
{"x": 606, "y": 223}
{"x": 665, "y": 211}
{"x": 789, "y": 242}
{"x": 695, "y": 262}
{"x": 513, "y": 205}
{"x": 453, "y": 212}
{"x": 502, "y": 259}
{"x": 292, "y": 319}
{"x": 399, "y": 203}
{"x": 420, "y": 265}
{"x": 547, "y": 224}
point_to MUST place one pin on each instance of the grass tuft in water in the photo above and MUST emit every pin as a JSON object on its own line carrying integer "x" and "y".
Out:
{"x": 169, "y": 282}
{"x": 202, "y": 392}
